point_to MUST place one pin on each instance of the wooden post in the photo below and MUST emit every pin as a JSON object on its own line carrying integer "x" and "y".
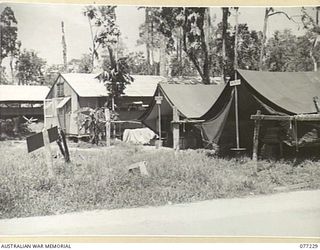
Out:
{"x": 295, "y": 128}
{"x": 175, "y": 127}
{"x": 237, "y": 116}
{"x": 159, "y": 124}
{"x": 108, "y": 123}
{"x": 65, "y": 146}
{"x": 256, "y": 137}
{"x": 114, "y": 124}
{"x": 48, "y": 153}
{"x": 158, "y": 102}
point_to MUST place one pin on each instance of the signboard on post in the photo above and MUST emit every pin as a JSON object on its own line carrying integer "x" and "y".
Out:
{"x": 235, "y": 82}
{"x": 36, "y": 141}
{"x": 44, "y": 139}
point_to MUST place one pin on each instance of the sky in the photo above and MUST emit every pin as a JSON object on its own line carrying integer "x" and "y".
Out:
{"x": 39, "y": 26}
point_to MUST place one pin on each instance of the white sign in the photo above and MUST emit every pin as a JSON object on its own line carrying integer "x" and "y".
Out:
{"x": 158, "y": 99}
{"x": 235, "y": 82}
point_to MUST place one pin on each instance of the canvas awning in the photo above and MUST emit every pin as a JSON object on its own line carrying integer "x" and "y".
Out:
{"x": 63, "y": 102}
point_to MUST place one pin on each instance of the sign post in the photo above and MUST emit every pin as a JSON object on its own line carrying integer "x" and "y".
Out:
{"x": 159, "y": 99}
{"x": 44, "y": 139}
{"x": 234, "y": 84}
{"x": 48, "y": 153}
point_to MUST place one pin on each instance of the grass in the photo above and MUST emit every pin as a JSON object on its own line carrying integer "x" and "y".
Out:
{"x": 98, "y": 178}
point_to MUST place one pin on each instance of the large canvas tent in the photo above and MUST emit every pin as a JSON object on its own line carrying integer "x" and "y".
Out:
{"x": 274, "y": 93}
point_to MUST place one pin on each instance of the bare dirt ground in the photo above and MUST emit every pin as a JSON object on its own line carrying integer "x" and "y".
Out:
{"x": 294, "y": 214}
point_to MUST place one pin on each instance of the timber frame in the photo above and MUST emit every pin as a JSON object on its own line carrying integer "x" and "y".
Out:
{"x": 258, "y": 117}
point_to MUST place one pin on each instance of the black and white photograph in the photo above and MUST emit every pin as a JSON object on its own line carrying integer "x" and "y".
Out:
{"x": 159, "y": 121}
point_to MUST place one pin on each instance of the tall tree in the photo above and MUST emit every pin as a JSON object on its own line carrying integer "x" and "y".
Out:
{"x": 248, "y": 48}
{"x": 280, "y": 51}
{"x": 225, "y": 14}
{"x": 105, "y": 34}
{"x": 191, "y": 21}
{"x": 235, "y": 61}
{"x": 286, "y": 52}
{"x": 64, "y": 48}
{"x": 312, "y": 24}
{"x": 30, "y": 68}
{"x": 268, "y": 13}
{"x": 104, "y": 31}
{"x": 8, "y": 37}
{"x": 152, "y": 39}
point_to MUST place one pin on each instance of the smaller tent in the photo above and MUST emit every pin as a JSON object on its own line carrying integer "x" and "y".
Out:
{"x": 192, "y": 102}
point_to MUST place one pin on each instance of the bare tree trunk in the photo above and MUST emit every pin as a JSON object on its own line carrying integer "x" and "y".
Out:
{"x": 189, "y": 53}
{"x": 264, "y": 36}
{"x": 225, "y": 13}
{"x": 93, "y": 45}
{"x": 163, "y": 61}
{"x": 112, "y": 58}
{"x": 180, "y": 52}
{"x": 152, "y": 47}
{"x": 235, "y": 64}
{"x": 64, "y": 49}
{"x": 147, "y": 23}
{"x": 206, "y": 68}
{"x": 11, "y": 68}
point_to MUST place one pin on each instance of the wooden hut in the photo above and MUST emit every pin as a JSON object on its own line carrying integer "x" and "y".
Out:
{"x": 74, "y": 91}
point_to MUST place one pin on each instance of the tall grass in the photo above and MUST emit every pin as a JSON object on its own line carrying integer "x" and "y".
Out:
{"x": 99, "y": 179}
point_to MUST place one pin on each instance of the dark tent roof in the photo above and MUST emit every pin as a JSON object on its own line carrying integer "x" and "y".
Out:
{"x": 191, "y": 100}
{"x": 291, "y": 91}
{"x": 277, "y": 93}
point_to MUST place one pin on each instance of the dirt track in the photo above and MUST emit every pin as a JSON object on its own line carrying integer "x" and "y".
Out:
{"x": 284, "y": 214}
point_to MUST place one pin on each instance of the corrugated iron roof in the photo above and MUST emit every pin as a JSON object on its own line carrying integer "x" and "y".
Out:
{"x": 23, "y": 93}
{"x": 292, "y": 91}
{"x": 87, "y": 85}
{"x": 143, "y": 85}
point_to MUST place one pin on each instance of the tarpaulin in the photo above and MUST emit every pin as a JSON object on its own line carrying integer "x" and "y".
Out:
{"x": 138, "y": 136}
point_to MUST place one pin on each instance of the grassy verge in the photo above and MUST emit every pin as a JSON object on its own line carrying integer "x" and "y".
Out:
{"x": 99, "y": 179}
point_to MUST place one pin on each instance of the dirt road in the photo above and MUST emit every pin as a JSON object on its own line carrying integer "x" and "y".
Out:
{"x": 284, "y": 214}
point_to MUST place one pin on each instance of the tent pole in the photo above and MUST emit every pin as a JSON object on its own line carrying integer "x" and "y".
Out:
{"x": 158, "y": 101}
{"x": 236, "y": 112}
{"x": 237, "y": 115}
